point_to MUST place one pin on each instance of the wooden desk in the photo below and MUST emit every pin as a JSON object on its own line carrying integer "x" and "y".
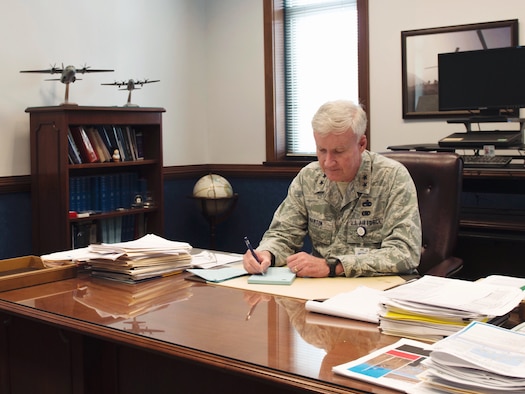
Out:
{"x": 194, "y": 339}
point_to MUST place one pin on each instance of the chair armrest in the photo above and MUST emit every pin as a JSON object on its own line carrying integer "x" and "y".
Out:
{"x": 447, "y": 267}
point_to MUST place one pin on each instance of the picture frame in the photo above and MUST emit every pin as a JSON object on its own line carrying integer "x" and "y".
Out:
{"x": 419, "y": 56}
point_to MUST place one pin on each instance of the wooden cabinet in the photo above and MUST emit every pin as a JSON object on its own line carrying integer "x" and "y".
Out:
{"x": 52, "y": 174}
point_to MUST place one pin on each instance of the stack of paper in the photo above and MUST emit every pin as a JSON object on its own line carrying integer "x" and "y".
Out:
{"x": 480, "y": 358}
{"x": 432, "y": 308}
{"x": 147, "y": 257}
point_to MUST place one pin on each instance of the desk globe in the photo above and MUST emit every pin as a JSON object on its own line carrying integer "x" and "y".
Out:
{"x": 216, "y": 200}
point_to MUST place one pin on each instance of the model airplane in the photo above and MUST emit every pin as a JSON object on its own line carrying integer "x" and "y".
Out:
{"x": 130, "y": 85}
{"x": 68, "y": 75}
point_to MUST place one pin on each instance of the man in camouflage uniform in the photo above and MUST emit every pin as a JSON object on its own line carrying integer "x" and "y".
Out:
{"x": 358, "y": 207}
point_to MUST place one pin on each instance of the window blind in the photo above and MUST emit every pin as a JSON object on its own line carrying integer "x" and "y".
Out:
{"x": 321, "y": 63}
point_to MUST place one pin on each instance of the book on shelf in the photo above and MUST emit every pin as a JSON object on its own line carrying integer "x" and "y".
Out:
{"x": 105, "y": 192}
{"x": 83, "y": 234}
{"x": 104, "y": 136}
{"x": 83, "y": 143}
{"x": 119, "y": 229}
{"x": 139, "y": 144}
{"x": 97, "y": 143}
{"x": 130, "y": 139}
{"x": 119, "y": 138}
{"x": 73, "y": 152}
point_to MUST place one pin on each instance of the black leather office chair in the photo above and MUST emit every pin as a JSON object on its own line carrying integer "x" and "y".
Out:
{"x": 438, "y": 178}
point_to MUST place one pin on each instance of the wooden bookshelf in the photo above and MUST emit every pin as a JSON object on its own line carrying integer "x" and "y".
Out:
{"x": 52, "y": 171}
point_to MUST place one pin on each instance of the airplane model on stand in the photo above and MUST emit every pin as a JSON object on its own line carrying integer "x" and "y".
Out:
{"x": 131, "y": 85}
{"x": 68, "y": 75}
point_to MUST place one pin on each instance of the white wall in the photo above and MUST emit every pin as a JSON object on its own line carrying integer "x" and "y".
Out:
{"x": 387, "y": 20}
{"x": 155, "y": 39}
{"x": 209, "y": 57}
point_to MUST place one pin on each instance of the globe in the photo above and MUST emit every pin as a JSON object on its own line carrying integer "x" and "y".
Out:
{"x": 215, "y": 193}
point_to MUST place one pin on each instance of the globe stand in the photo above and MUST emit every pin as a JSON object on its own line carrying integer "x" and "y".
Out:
{"x": 215, "y": 211}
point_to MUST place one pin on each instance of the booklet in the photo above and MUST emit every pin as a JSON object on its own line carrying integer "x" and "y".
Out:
{"x": 395, "y": 366}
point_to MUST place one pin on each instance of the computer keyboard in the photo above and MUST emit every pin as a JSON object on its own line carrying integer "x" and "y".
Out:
{"x": 486, "y": 161}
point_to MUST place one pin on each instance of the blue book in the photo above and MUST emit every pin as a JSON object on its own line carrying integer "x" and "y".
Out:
{"x": 274, "y": 276}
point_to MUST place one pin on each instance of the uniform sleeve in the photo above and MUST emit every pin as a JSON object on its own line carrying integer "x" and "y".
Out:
{"x": 286, "y": 233}
{"x": 400, "y": 249}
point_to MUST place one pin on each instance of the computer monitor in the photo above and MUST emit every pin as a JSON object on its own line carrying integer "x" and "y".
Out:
{"x": 489, "y": 82}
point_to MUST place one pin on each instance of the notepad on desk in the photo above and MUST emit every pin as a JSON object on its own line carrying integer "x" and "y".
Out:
{"x": 273, "y": 276}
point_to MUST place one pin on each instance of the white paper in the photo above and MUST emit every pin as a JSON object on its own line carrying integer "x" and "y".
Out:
{"x": 458, "y": 294}
{"x": 481, "y": 358}
{"x": 360, "y": 304}
{"x": 208, "y": 259}
{"x": 486, "y": 347}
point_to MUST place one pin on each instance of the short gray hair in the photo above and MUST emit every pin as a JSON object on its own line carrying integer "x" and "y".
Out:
{"x": 338, "y": 117}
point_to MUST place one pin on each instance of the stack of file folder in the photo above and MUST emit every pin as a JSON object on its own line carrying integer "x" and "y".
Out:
{"x": 480, "y": 358}
{"x": 432, "y": 308}
{"x": 134, "y": 261}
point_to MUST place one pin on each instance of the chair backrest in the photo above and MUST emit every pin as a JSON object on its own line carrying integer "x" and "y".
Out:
{"x": 438, "y": 178}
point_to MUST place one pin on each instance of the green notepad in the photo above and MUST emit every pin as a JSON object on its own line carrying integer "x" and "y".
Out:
{"x": 274, "y": 276}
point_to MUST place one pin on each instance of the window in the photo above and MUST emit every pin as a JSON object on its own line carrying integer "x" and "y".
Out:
{"x": 315, "y": 50}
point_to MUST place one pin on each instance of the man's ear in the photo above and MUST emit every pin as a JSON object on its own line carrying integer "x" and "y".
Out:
{"x": 362, "y": 143}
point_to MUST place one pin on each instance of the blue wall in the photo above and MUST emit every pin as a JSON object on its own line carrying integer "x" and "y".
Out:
{"x": 257, "y": 201}
{"x": 15, "y": 225}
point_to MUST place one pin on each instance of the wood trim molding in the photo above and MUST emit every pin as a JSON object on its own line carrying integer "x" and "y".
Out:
{"x": 233, "y": 170}
{"x": 15, "y": 184}
{"x": 22, "y": 184}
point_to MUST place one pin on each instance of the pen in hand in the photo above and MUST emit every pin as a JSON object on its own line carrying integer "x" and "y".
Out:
{"x": 250, "y": 247}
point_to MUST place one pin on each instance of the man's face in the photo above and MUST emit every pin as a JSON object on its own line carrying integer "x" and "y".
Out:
{"x": 340, "y": 154}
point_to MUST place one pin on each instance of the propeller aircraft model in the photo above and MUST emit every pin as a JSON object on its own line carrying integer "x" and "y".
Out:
{"x": 131, "y": 85}
{"x": 68, "y": 75}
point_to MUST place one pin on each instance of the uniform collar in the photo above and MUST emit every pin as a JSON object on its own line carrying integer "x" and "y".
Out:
{"x": 360, "y": 184}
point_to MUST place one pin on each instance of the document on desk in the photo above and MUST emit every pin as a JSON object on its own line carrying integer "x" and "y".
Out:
{"x": 362, "y": 303}
{"x": 435, "y": 294}
{"x": 481, "y": 358}
{"x": 317, "y": 288}
{"x": 504, "y": 280}
{"x": 395, "y": 366}
{"x": 209, "y": 259}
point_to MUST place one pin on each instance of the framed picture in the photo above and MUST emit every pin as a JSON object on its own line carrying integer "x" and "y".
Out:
{"x": 419, "y": 58}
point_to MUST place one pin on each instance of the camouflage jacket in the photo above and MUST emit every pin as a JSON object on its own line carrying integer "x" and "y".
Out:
{"x": 374, "y": 229}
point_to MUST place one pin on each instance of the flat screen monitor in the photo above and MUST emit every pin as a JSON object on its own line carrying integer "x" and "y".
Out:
{"x": 491, "y": 81}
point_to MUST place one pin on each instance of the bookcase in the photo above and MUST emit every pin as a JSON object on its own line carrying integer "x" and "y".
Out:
{"x": 75, "y": 203}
